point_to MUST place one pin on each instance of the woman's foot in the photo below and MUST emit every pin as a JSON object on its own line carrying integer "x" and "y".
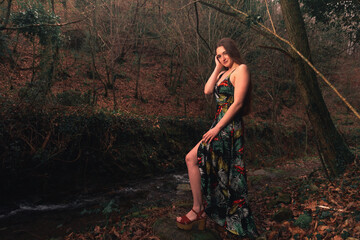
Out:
{"x": 191, "y": 215}
{"x": 191, "y": 218}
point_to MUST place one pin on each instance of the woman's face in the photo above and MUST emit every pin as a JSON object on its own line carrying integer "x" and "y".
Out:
{"x": 224, "y": 57}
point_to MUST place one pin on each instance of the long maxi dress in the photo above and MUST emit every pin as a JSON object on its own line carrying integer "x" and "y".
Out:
{"x": 222, "y": 169}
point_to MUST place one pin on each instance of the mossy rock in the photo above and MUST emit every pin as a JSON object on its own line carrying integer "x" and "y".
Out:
{"x": 166, "y": 229}
{"x": 283, "y": 198}
{"x": 325, "y": 215}
{"x": 283, "y": 214}
{"x": 303, "y": 221}
{"x": 313, "y": 188}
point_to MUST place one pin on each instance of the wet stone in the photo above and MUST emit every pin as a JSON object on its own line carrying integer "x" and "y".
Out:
{"x": 166, "y": 229}
{"x": 283, "y": 214}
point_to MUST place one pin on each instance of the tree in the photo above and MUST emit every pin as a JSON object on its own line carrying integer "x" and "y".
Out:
{"x": 332, "y": 146}
{"x": 37, "y": 23}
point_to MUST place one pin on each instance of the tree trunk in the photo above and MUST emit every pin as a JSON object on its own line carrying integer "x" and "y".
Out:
{"x": 332, "y": 146}
{"x": 7, "y": 16}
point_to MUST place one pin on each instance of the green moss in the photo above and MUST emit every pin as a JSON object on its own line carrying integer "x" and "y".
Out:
{"x": 303, "y": 221}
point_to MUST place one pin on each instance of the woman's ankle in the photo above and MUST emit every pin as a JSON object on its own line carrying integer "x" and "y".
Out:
{"x": 198, "y": 208}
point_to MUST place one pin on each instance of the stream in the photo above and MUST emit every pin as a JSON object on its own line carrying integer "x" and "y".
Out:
{"x": 37, "y": 218}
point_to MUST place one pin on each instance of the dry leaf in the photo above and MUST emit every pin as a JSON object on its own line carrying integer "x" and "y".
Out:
{"x": 97, "y": 229}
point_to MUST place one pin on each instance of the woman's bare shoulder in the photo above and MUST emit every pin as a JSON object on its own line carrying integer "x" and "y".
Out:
{"x": 242, "y": 68}
{"x": 241, "y": 72}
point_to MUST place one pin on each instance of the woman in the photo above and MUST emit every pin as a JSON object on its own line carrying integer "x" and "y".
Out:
{"x": 215, "y": 165}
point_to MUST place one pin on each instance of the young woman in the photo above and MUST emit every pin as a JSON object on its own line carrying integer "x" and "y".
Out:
{"x": 215, "y": 165}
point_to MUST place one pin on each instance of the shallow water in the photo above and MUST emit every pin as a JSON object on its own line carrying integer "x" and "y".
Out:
{"x": 35, "y": 218}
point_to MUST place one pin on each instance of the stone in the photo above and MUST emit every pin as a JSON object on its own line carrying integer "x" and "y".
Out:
{"x": 303, "y": 221}
{"x": 283, "y": 214}
{"x": 183, "y": 187}
{"x": 262, "y": 172}
{"x": 166, "y": 229}
{"x": 283, "y": 198}
{"x": 313, "y": 188}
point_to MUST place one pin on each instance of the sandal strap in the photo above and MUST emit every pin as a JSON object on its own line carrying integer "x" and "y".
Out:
{"x": 199, "y": 214}
{"x": 184, "y": 220}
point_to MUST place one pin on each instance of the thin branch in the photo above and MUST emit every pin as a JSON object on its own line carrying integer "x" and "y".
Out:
{"x": 197, "y": 28}
{"x": 42, "y": 24}
{"x": 268, "y": 11}
{"x": 219, "y": 9}
{"x": 190, "y": 3}
{"x": 278, "y": 49}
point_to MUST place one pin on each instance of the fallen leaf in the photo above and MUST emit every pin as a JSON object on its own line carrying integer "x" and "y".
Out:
{"x": 97, "y": 229}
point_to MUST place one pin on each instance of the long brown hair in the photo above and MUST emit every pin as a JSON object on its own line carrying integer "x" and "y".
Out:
{"x": 233, "y": 52}
{"x": 231, "y": 49}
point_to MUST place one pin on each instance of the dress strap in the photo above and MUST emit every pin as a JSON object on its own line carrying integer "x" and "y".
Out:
{"x": 221, "y": 75}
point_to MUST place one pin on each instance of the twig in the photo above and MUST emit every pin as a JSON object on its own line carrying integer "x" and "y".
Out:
{"x": 42, "y": 24}
{"x": 272, "y": 24}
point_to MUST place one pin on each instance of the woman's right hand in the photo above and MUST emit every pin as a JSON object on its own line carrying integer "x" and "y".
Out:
{"x": 217, "y": 63}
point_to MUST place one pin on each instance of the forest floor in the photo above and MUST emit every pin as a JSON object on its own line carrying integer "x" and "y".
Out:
{"x": 293, "y": 200}
{"x": 289, "y": 201}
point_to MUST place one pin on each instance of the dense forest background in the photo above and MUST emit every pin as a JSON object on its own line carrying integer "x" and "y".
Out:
{"x": 97, "y": 90}
{"x": 153, "y": 57}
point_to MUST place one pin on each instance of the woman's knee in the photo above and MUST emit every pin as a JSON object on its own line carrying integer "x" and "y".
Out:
{"x": 190, "y": 159}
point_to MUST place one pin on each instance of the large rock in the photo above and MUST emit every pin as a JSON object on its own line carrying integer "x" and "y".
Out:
{"x": 166, "y": 229}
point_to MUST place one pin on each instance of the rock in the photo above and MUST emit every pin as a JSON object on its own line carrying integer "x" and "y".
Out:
{"x": 166, "y": 229}
{"x": 262, "y": 172}
{"x": 313, "y": 188}
{"x": 325, "y": 215}
{"x": 183, "y": 187}
{"x": 283, "y": 198}
{"x": 263, "y": 237}
{"x": 283, "y": 214}
{"x": 303, "y": 221}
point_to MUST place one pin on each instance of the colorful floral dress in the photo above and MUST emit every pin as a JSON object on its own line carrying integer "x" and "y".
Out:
{"x": 222, "y": 168}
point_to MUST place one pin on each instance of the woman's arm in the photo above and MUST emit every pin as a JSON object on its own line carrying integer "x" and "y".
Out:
{"x": 210, "y": 84}
{"x": 242, "y": 80}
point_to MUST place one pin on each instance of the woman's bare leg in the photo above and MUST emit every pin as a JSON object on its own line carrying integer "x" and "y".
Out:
{"x": 195, "y": 182}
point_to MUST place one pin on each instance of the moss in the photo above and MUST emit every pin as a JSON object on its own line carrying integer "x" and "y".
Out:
{"x": 303, "y": 221}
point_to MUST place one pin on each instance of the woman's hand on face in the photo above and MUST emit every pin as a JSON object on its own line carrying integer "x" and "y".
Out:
{"x": 217, "y": 62}
{"x": 210, "y": 135}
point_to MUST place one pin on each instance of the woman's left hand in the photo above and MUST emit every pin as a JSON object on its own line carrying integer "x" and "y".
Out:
{"x": 210, "y": 135}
